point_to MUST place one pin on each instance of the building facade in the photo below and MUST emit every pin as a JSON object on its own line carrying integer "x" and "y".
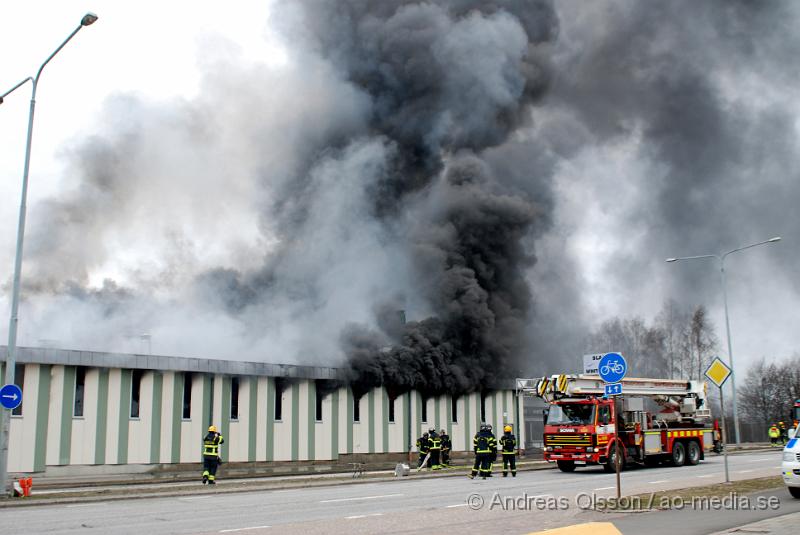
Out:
{"x": 90, "y": 408}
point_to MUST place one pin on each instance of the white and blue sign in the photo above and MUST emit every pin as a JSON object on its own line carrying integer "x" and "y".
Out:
{"x": 10, "y": 396}
{"x": 612, "y": 367}
{"x": 613, "y": 389}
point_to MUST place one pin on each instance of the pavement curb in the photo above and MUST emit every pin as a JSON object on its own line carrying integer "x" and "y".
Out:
{"x": 139, "y": 489}
{"x": 91, "y": 494}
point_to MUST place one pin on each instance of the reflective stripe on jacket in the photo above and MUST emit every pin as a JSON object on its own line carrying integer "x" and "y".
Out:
{"x": 211, "y": 445}
{"x": 509, "y": 443}
{"x": 483, "y": 443}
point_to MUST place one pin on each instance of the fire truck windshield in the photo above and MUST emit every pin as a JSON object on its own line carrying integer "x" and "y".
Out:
{"x": 571, "y": 414}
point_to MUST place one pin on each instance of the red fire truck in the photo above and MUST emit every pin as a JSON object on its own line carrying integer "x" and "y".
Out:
{"x": 656, "y": 420}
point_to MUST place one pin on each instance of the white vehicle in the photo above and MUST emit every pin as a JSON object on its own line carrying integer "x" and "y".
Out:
{"x": 790, "y": 469}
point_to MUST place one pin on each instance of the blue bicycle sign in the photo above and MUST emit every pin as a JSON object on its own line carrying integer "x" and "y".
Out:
{"x": 612, "y": 367}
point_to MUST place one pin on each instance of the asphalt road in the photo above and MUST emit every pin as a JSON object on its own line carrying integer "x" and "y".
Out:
{"x": 532, "y": 501}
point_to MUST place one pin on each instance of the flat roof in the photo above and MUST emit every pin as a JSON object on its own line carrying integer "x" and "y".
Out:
{"x": 136, "y": 361}
{"x": 99, "y": 359}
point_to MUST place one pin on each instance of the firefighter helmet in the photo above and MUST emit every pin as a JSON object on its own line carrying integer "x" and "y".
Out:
{"x": 507, "y": 429}
{"x": 212, "y": 428}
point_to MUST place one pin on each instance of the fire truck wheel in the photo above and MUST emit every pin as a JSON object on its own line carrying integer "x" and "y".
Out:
{"x": 693, "y": 453}
{"x": 566, "y": 466}
{"x": 795, "y": 492}
{"x": 611, "y": 465}
{"x": 678, "y": 454}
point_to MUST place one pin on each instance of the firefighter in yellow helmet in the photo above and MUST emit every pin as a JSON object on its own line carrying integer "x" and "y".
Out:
{"x": 508, "y": 444}
{"x": 774, "y": 435}
{"x": 211, "y": 455}
{"x": 784, "y": 432}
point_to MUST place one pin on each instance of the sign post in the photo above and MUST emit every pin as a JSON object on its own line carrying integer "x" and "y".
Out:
{"x": 612, "y": 369}
{"x": 718, "y": 372}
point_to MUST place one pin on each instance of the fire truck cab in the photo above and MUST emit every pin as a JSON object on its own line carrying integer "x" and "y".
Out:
{"x": 656, "y": 420}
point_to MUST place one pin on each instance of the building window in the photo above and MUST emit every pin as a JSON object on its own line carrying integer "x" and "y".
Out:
{"x": 136, "y": 391}
{"x": 391, "y": 409}
{"x": 187, "y": 396}
{"x": 357, "y": 407}
{"x": 483, "y": 407}
{"x": 234, "y": 398}
{"x": 424, "y": 415}
{"x": 280, "y": 386}
{"x": 454, "y": 410}
{"x": 319, "y": 395}
{"x": 80, "y": 391}
{"x": 19, "y": 380}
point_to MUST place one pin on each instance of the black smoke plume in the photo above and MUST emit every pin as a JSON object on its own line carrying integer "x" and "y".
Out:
{"x": 448, "y": 81}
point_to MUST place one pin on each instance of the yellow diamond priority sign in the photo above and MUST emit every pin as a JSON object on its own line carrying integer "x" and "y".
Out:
{"x": 718, "y": 372}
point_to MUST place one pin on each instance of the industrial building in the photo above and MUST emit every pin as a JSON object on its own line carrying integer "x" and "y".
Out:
{"x": 84, "y": 409}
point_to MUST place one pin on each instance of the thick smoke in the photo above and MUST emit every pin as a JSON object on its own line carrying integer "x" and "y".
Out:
{"x": 448, "y": 81}
{"x": 508, "y": 173}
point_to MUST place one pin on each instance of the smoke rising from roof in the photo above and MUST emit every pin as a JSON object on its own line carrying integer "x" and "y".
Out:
{"x": 508, "y": 173}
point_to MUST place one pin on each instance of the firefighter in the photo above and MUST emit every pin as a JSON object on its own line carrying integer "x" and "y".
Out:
{"x": 435, "y": 447}
{"x": 717, "y": 438}
{"x": 422, "y": 448}
{"x": 493, "y": 456}
{"x": 447, "y": 445}
{"x": 508, "y": 444}
{"x": 212, "y": 457}
{"x": 483, "y": 444}
{"x": 774, "y": 434}
{"x": 784, "y": 432}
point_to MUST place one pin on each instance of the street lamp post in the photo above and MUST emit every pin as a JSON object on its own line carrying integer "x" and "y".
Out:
{"x": 721, "y": 258}
{"x": 87, "y": 20}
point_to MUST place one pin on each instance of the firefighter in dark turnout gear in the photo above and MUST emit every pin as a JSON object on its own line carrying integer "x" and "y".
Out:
{"x": 485, "y": 448}
{"x": 508, "y": 447}
{"x": 211, "y": 455}
{"x": 446, "y": 447}
{"x": 435, "y": 447}
{"x": 423, "y": 448}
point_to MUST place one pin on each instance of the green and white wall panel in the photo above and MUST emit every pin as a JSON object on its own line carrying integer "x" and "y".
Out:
{"x": 107, "y": 434}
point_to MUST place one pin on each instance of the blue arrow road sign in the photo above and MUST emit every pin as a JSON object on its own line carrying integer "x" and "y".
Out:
{"x": 613, "y": 389}
{"x": 10, "y": 396}
{"x": 612, "y": 367}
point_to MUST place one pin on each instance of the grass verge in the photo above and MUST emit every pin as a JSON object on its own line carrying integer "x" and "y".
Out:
{"x": 682, "y": 498}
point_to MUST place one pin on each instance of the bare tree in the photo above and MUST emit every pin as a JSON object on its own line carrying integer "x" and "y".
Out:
{"x": 676, "y": 343}
{"x": 672, "y": 322}
{"x": 703, "y": 340}
{"x": 770, "y": 389}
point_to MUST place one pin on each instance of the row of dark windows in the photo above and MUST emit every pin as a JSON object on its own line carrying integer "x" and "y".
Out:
{"x": 322, "y": 389}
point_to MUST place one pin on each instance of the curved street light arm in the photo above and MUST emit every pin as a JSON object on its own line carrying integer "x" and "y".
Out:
{"x": 692, "y": 257}
{"x": 771, "y": 240}
{"x": 57, "y": 50}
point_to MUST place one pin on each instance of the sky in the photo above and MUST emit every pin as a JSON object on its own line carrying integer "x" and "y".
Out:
{"x": 169, "y": 138}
